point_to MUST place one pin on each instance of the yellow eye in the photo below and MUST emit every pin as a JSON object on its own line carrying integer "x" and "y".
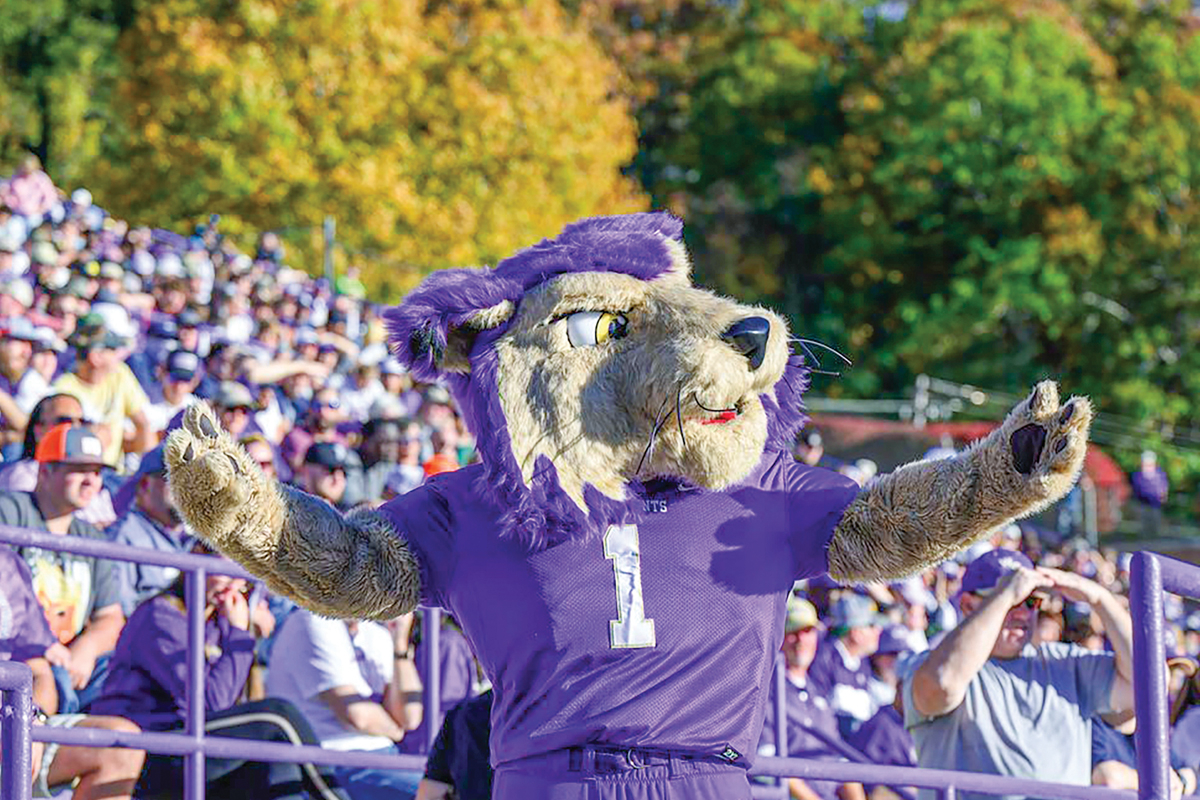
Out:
{"x": 590, "y": 328}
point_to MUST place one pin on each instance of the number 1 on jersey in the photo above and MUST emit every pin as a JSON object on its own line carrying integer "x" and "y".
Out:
{"x": 631, "y": 628}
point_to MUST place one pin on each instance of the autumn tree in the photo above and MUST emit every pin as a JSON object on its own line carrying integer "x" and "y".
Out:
{"x": 436, "y": 134}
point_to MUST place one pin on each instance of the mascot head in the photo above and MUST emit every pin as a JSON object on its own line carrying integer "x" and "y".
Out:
{"x": 588, "y": 364}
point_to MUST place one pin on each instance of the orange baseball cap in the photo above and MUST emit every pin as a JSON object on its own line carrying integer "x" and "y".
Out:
{"x": 69, "y": 444}
{"x": 440, "y": 463}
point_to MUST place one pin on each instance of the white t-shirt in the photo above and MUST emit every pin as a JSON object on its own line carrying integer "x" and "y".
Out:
{"x": 160, "y": 414}
{"x": 30, "y": 389}
{"x": 313, "y": 654}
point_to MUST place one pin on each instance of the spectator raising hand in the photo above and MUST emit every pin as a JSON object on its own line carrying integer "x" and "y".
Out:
{"x": 985, "y": 699}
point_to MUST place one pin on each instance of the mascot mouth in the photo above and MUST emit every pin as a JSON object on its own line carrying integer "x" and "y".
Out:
{"x": 717, "y": 416}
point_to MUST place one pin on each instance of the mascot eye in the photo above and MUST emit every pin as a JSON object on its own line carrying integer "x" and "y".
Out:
{"x": 590, "y": 328}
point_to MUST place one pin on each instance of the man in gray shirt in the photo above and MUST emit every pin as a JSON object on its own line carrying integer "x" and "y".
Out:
{"x": 987, "y": 700}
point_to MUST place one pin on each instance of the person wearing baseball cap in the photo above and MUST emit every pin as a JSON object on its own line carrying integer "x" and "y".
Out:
{"x": 882, "y": 738}
{"x": 21, "y": 386}
{"x": 80, "y": 594}
{"x": 148, "y": 520}
{"x": 235, "y": 407}
{"x": 323, "y": 471}
{"x": 842, "y": 669}
{"x": 811, "y": 723}
{"x": 180, "y": 375}
{"x": 985, "y": 699}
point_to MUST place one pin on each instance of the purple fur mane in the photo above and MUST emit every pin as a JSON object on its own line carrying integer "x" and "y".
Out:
{"x": 420, "y": 331}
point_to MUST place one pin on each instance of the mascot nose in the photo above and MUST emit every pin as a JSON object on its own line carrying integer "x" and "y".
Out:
{"x": 749, "y": 337}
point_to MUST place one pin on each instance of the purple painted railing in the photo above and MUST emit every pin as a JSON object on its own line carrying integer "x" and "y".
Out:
{"x": 1151, "y": 575}
{"x": 16, "y": 718}
{"x": 193, "y": 744}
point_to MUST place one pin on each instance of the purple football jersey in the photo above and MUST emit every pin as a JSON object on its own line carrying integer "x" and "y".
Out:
{"x": 661, "y": 633}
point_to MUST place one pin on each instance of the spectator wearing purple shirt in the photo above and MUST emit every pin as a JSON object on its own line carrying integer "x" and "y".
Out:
{"x": 456, "y": 675}
{"x": 148, "y": 684}
{"x": 320, "y": 424}
{"x": 841, "y": 670}
{"x": 812, "y": 728}
{"x": 1150, "y": 488}
{"x": 25, "y": 636}
{"x": 883, "y": 738}
{"x": 458, "y": 767}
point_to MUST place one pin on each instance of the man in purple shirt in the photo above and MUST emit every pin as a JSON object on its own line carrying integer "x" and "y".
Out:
{"x": 812, "y": 729}
{"x": 1150, "y": 487}
{"x": 456, "y": 676}
{"x": 148, "y": 684}
{"x": 842, "y": 669}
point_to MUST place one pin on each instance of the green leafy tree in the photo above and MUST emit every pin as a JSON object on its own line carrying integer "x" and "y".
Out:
{"x": 435, "y": 133}
{"x": 57, "y": 62}
{"x": 988, "y": 191}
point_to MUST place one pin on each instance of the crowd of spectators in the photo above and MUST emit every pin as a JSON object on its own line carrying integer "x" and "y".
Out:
{"x": 108, "y": 332}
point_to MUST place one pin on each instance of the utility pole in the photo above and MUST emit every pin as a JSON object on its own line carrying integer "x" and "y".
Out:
{"x": 921, "y": 402}
{"x": 329, "y": 230}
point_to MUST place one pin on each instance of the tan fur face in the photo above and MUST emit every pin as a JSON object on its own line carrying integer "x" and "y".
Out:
{"x": 593, "y": 410}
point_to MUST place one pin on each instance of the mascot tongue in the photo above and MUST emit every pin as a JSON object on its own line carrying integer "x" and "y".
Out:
{"x": 724, "y": 416}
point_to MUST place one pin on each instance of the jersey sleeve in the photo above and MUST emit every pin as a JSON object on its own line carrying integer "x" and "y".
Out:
{"x": 816, "y": 500}
{"x": 423, "y": 519}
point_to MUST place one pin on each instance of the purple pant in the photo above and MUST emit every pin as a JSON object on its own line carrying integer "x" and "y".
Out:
{"x": 607, "y": 774}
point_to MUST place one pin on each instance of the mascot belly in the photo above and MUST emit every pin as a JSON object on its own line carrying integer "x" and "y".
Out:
{"x": 621, "y": 558}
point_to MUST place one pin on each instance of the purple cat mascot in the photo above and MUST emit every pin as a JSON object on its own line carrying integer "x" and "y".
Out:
{"x": 621, "y": 558}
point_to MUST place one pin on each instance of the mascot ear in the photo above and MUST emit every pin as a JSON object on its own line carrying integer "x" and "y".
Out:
{"x": 434, "y": 330}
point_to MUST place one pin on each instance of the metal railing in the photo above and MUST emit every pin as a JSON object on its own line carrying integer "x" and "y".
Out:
{"x": 192, "y": 744}
{"x": 1151, "y": 574}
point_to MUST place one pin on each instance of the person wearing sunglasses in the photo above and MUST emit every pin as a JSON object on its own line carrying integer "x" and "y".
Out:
{"x": 20, "y": 475}
{"x": 986, "y": 699}
{"x": 321, "y": 423}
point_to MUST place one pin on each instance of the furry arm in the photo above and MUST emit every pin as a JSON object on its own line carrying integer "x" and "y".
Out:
{"x": 353, "y": 567}
{"x": 925, "y": 512}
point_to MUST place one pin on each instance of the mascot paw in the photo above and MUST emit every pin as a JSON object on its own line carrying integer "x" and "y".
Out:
{"x": 211, "y": 477}
{"x": 1047, "y": 441}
